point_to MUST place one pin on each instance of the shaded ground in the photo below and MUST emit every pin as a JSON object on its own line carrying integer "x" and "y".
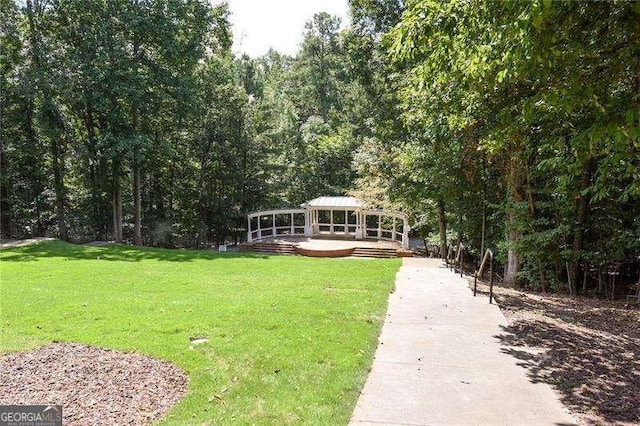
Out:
{"x": 108, "y": 252}
{"x": 20, "y": 243}
{"x": 93, "y": 385}
{"x": 587, "y": 349}
{"x": 99, "y": 243}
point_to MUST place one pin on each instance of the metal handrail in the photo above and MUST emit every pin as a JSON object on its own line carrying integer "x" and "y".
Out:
{"x": 460, "y": 257}
{"x": 450, "y": 253}
{"x": 487, "y": 255}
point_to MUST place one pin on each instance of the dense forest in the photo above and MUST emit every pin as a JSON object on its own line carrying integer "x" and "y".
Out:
{"x": 509, "y": 125}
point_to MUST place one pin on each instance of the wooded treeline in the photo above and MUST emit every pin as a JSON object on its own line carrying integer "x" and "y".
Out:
{"x": 509, "y": 125}
{"x": 132, "y": 120}
{"x": 521, "y": 129}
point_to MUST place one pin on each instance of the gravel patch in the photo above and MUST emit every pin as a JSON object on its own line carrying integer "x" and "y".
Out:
{"x": 93, "y": 385}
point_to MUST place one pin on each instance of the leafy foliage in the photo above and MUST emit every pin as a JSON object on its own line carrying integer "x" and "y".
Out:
{"x": 509, "y": 125}
{"x": 142, "y": 126}
{"x": 529, "y": 110}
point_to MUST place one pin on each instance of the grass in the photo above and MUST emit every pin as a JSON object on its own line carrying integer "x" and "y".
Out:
{"x": 291, "y": 339}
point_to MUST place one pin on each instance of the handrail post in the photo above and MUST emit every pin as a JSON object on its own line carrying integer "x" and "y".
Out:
{"x": 453, "y": 260}
{"x": 491, "y": 278}
{"x": 475, "y": 283}
{"x": 452, "y": 257}
{"x": 446, "y": 256}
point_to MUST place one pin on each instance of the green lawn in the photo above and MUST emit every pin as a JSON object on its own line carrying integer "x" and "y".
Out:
{"x": 290, "y": 338}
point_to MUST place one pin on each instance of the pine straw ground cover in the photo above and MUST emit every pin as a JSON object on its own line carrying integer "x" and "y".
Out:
{"x": 288, "y": 339}
{"x": 587, "y": 349}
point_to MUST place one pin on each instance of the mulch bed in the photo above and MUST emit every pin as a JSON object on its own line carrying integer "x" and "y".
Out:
{"x": 93, "y": 385}
{"x": 588, "y": 351}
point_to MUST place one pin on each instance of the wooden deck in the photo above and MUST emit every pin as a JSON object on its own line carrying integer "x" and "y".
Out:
{"x": 324, "y": 247}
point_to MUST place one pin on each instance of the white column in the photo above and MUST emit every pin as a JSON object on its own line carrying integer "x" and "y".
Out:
{"x": 359, "y": 232}
{"x": 293, "y": 230}
{"x": 379, "y": 226}
{"x": 273, "y": 225}
{"x": 363, "y": 225}
{"x": 405, "y": 234}
{"x": 346, "y": 222}
{"x": 307, "y": 223}
{"x": 249, "y": 229}
{"x": 314, "y": 222}
{"x": 331, "y": 222}
{"x": 393, "y": 231}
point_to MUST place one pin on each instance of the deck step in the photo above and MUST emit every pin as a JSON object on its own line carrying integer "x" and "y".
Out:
{"x": 278, "y": 248}
{"x": 382, "y": 253}
{"x": 290, "y": 249}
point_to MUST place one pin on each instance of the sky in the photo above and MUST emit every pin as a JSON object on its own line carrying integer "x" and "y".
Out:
{"x": 261, "y": 24}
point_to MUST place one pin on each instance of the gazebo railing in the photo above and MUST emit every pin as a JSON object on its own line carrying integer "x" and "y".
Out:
{"x": 369, "y": 224}
{"x": 272, "y": 228}
{"x": 388, "y": 232}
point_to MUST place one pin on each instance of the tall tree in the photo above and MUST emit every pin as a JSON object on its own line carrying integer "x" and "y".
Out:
{"x": 143, "y": 68}
{"x": 548, "y": 85}
{"x": 10, "y": 58}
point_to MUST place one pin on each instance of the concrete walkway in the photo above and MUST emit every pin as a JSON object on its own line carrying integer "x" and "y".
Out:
{"x": 438, "y": 360}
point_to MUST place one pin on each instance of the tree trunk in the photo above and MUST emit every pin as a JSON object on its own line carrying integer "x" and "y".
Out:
{"x": 119, "y": 211}
{"x": 54, "y": 119}
{"x": 483, "y": 227}
{"x": 514, "y": 235}
{"x": 5, "y": 206}
{"x": 114, "y": 204}
{"x": 95, "y": 177}
{"x": 514, "y": 259}
{"x": 60, "y": 190}
{"x": 582, "y": 210}
{"x": 442, "y": 227}
{"x": 35, "y": 54}
{"x": 137, "y": 198}
{"x": 57, "y": 149}
{"x": 117, "y": 205}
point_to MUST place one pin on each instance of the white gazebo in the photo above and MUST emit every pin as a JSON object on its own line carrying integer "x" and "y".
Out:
{"x": 331, "y": 217}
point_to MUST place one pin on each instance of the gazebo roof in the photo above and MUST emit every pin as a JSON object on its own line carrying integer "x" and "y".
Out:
{"x": 335, "y": 203}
